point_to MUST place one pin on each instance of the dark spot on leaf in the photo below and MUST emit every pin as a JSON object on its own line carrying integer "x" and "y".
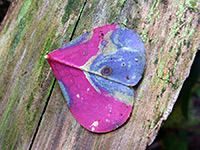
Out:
{"x": 106, "y": 71}
{"x": 127, "y": 77}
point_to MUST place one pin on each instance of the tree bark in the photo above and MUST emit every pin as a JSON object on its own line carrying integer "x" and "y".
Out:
{"x": 33, "y": 112}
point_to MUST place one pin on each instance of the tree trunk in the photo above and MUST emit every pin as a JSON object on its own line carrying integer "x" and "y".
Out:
{"x": 33, "y": 112}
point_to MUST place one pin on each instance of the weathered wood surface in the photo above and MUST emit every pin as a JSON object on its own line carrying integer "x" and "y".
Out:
{"x": 33, "y": 112}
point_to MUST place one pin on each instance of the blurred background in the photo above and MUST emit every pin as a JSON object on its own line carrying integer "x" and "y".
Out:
{"x": 4, "y": 4}
{"x": 181, "y": 131}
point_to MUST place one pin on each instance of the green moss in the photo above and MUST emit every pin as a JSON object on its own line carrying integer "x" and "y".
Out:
{"x": 161, "y": 67}
{"x": 17, "y": 38}
{"x": 32, "y": 114}
{"x": 113, "y": 16}
{"x": 157, "y": 118}
{"x": 152, "y": 124}
{"x": 181, "y": 9}
{"x": 71, "y": 5}
{"x": 116, "y": 11}
{"x": 162, "y": 109}
{"x": 157, "y": 14}
{"x": 170, "y": 49}
{"x": 10, "y": 106}
{"x": 69, "y": 32}
{"x": 159, "y": 97}
{"x": 157, "y": 103}
{"x": 192, "y": 4}
{"x": 24, "y": 21}
{"x": 161, "y": 49}
{"x": 10, "y": 137}
{"x": 54, "y": 46}
{"x": 29, "y": 123}
{"x": 144, "y": 35}
{"x": 41, "y": 66}
{"x": 37, "y": 4}
{"x": 31, "y": 118}
{"x": 47, "y": 47}
{"x": 155, "y": 81}
{"x": 8, "y": 124}
{"x": 188, "y": 44}
{"x": 163, "y": 90}
{"x": 2, "y": 90}
{"x": 30, "y": 101}
{"x": 176, "y": 28}
{"x": 176, "y": 85}
{"x": 162, "y": 83}
{"x": 175, "y": 64}
{"x": 167, "y": 78}
{"x": 152, "y": 10}
{"x": 135, "y": 22}
{"x": 191, "y": 33}
{"x": 125, "y": 20}
{"x": 36, "y": 113}
{"x": 51, "y": 86}
{"x": 5, "y": 29}
{"x": 144, "y": 82}
{"x": 156, "y": 61}
{"x": 23, "y": 12}
{"x": 122, "y": 2}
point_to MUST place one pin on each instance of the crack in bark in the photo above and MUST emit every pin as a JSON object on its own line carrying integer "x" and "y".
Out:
{"x": 174, "y": 85}
{"x": 43, "y": 112}
{"x": 121, "y": 9}
{"x": 165, "y": 80}
{"x": 79, "y": 17}
{"x": 54, "y": 82}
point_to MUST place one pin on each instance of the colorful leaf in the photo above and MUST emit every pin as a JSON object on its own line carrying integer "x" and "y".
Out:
{"x": 96, "y": 72}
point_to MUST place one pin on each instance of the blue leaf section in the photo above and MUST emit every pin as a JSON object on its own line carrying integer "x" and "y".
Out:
{"x": 127, "y": 62}
{"x": 65, "y": 92}
{"x": 76, "y": 41}
{"x": 125, "y": 68}
{"x": 110, "y": 86}
{"x": 124, "y": 37}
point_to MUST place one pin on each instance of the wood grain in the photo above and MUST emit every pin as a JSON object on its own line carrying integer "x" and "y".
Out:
{"x": 33, "y": 112}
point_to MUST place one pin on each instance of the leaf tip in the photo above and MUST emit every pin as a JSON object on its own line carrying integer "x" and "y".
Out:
{"x": 46, "y": 56}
